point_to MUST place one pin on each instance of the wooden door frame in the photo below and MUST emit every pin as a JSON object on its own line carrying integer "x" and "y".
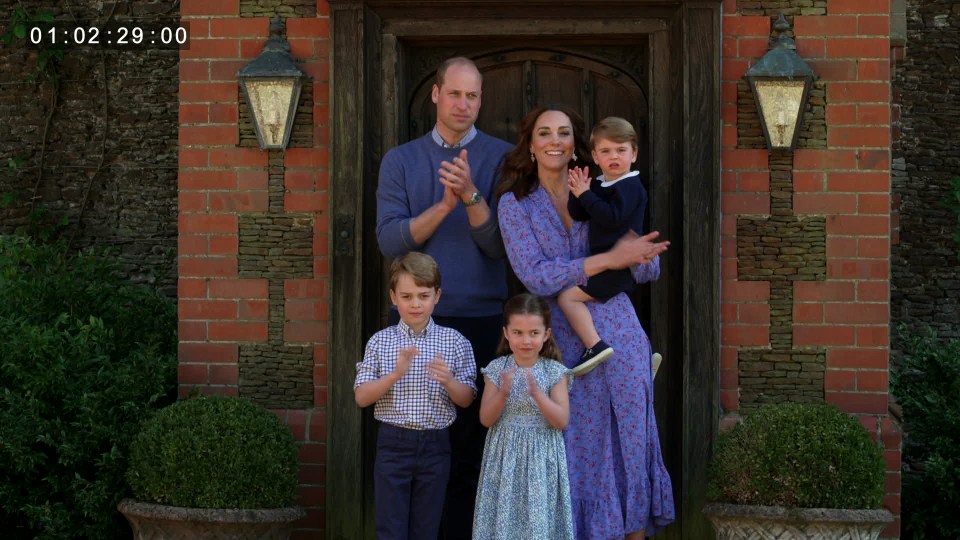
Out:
{"x": 684, "y": 132}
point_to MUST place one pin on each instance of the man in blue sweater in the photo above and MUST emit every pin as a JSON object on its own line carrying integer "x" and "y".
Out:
{"x": 435, "y": 195}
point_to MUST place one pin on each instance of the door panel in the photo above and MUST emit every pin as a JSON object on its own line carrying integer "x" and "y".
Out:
{"x": 500, "y": 109}
{"x": 597, "y": 80}
{"x": 385, "y": 52}
{"x": 558, "y": 83}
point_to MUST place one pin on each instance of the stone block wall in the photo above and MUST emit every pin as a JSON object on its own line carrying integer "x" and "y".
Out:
{"x": 925, "y": 286}
{"x": 98, "y": 149}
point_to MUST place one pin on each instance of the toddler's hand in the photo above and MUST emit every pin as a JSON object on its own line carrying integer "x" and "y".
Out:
{"x": 578, "y": 180}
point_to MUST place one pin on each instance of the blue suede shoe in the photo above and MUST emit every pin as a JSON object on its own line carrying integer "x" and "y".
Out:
{"x": 592, "y": 357}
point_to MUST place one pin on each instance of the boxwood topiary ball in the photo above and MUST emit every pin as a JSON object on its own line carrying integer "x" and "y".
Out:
{"x": 798, "y": 455}
{"x": 214, "y": 452}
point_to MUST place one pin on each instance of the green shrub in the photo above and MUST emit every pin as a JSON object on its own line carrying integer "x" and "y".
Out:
{"x": 215, "y": 452}
{"x": 85, "y": 358}
{"x": 798, "y": 455}
{"x": 927, "y": 385}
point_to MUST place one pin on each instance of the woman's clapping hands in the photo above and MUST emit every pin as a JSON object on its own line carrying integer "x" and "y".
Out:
{"x": 635, "y": 249}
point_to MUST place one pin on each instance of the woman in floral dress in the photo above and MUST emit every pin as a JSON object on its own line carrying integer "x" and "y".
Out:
{"x": 619, "y": 486}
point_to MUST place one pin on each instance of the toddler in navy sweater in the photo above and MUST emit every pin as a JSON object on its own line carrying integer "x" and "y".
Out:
{"x": 614, "y": 204}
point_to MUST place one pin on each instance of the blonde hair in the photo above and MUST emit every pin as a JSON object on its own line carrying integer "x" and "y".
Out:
{"x": 529, "y": 304}
{"x": 420, "y": 266}
{"x": 613, "y": 128}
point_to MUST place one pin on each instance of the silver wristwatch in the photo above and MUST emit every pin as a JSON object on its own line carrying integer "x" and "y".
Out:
{"x": 474, "y": 199}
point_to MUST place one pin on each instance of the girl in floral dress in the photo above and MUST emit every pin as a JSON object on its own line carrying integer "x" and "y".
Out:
{"x": 524, "y": 491}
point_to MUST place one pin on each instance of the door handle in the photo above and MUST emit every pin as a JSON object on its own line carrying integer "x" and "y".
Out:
{"x": 344, "y": 235}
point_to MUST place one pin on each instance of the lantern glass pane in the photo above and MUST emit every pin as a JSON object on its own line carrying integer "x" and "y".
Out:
{"x": 270, "y": 104}
{"x": 780, "y": 103}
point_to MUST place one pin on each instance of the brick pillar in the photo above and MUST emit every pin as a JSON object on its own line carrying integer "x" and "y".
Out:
{"x": 253, "y": 268}
{"x": 798, "y": 325}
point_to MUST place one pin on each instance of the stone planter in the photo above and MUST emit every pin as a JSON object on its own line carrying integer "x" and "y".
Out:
{"x": 742, "y": 522}
{"x": 161, "y": 522}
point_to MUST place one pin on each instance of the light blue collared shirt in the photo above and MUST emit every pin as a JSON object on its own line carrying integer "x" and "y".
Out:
{"x": 461, "y": 143}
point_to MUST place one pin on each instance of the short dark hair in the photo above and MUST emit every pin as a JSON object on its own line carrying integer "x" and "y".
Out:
{"x": 454, "y": 61}
{"x": 420, "y": 266}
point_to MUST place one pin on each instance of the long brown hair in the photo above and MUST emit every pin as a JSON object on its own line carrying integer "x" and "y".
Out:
{"x": 518, "y": 174}
{"x": 529, "y": 304}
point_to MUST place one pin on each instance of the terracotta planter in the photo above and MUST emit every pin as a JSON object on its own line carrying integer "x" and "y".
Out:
{"x": 741, "y": 522}
{"x": 157, "y": 521}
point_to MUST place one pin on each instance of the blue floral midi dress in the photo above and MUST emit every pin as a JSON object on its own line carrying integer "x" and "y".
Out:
{"x": 523, "y": 490}
{"x": 618, "y": 482}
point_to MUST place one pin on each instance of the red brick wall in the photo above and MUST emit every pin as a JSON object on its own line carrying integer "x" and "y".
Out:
{"x": 848, "y": 182}
{"x": 219, "y": 182}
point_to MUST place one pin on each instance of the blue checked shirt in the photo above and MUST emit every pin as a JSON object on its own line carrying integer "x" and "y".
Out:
{"x": 415, "y": 401}
{"x": 472, "y": 134}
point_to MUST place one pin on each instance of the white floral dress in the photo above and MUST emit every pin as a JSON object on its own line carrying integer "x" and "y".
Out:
{"x": 524, "y": 491}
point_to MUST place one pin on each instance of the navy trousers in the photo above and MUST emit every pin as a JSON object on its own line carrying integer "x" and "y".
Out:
{"x": 410, "y": 477}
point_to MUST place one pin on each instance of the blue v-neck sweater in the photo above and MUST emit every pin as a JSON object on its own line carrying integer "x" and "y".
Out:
{"x": 471, "y": 259}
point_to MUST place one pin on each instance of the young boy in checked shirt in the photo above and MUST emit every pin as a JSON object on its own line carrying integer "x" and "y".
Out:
{"x": 414, "y": 372}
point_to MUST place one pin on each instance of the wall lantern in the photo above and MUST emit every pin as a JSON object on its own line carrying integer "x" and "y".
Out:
{"x": 780, "y": 83}
{"x": 271, "y": 88}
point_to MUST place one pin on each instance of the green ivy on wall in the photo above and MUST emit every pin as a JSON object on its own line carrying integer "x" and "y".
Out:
{"x": 952, "y": 202}
{"x": 49, "y": 58}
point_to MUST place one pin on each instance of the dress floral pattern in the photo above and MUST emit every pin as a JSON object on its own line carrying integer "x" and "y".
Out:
{"x": 523, "y": 490}
{"x": 618, "y": 483}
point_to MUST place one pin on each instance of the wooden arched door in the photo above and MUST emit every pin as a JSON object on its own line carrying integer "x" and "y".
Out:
{"x": 655, "y": 62}
{"x": 598, "y": 81}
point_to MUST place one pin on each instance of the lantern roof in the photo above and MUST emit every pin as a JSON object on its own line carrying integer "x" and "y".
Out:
{"x": 782, "y": 60}
{"x": 274, "y": 60}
